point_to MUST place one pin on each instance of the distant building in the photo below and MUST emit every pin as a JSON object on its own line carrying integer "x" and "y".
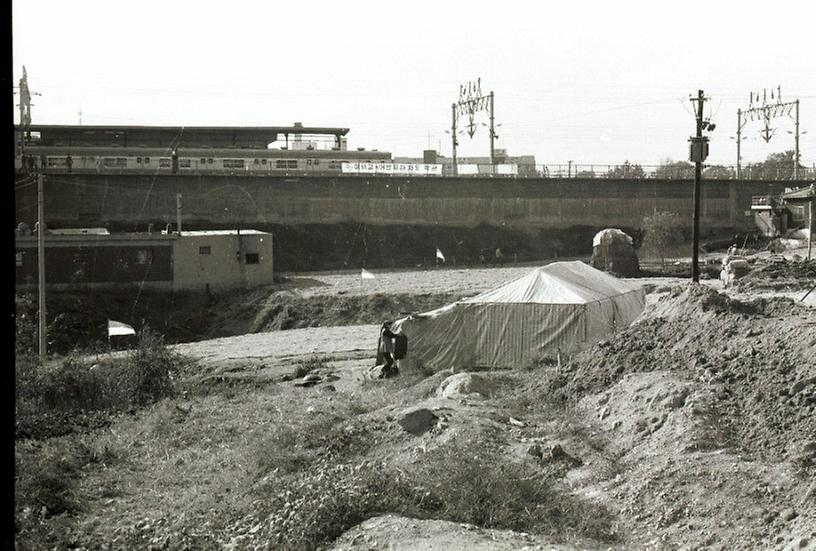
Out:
{"x": 523, "y": 165}
{"x": 775, "y": 215}
{"x": 190, "y": 260}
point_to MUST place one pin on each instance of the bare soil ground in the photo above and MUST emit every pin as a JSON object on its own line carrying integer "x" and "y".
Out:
{"x": 693, "y": 429}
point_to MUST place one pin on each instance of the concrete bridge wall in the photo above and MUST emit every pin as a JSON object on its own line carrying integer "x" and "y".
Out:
{"x": 131, "y": 202}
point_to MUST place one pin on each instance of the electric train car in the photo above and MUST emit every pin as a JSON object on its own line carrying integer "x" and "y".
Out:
{"x": 119, "y": 160}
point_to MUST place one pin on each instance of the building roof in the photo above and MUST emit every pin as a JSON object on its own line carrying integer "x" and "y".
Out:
{"x": 801, "y": 195}
{"x": 294, "y": 129}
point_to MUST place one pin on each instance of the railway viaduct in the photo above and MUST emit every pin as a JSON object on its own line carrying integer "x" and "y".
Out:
{"x": 437, "y": 208}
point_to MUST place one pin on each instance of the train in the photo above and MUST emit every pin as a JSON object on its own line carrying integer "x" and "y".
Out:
{"x": 118, "y": 160}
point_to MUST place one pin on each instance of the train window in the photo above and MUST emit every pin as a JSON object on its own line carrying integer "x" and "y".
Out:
{"x": 286, "y": 163}
{"x": 18, "y": 258}
{"x": 205, "y": 250}
{"x": 147, "y": 159}
{"x": 209, "y": 161}
{"x": 184, "y": 163}
{"x": 165, "y": 163}
{"x": 114, "y": 162}
{"x": 256, "y": 161}
{"x": 138, "y": 160}
{"x": 253, "y": 258}
{"x": 233, "y": 163}
{"x": 263, "y": 161}
{"x": 203, "y": 161}
{"x": 316, "y": 162}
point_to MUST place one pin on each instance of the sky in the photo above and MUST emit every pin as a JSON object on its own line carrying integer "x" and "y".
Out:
{"x": 588, "y": 82}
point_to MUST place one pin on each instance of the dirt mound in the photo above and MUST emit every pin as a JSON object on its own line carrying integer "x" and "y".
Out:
{"x": 286, "y": 310}
{"x": 779, "y": 273}
{"x": 755, "y": 357}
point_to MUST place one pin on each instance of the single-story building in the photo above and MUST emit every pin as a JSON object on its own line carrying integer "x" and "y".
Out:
{"x": 187, "y": 260}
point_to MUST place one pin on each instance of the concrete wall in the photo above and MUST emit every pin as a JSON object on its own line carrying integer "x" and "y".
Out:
{"x": 211, "y": 201}
{"x": 225, "y": 263}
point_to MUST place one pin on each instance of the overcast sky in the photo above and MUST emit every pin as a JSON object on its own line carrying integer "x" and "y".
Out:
{"x": 592, "y": 82}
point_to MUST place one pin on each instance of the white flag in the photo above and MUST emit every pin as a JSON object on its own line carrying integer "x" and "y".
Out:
{"x": 439, "y": 255}
{"x": 116, "y": 328}
{"x": 365, "y": 274}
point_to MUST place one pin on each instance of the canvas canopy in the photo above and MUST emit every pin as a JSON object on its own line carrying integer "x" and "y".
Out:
{"x": 559, "y": 307}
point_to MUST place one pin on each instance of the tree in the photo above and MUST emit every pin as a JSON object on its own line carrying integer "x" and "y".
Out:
{"x": 662, "y": 232}
{"x": 719, "y": 172}
{"x": 673, "y": 170}
{"x": 626, "y": 170}
{"x": 777, "y": 166}
{"x": 585, "y": 174}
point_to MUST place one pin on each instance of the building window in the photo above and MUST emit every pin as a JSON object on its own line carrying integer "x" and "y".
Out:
{"x": 253, "y": 258}
{"x": 18, "y": 259}
{"x": 144, "y": 256}
{"x": 205, "y": 250}
{"x": 797, "y": 213}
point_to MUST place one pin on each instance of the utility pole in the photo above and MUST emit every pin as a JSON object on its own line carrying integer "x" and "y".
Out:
{"x": 453, "y": 136}
{"x": 42, "y": 348}
{"x": 739, "y": 140}
{"x": 178, "y": 213}
{"x": 796, "y": 148}
{"x": 698, "y": 153}
{"x": 492, "y": 136}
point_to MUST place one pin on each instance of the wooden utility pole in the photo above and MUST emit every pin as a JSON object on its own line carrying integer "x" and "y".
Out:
{"x": 739, "y": 141}
{"x": 699, "y": 152}
{"x": 796, "y": 148}
{"x": 453, "y": 137}
{"x": 492, "y": 136}
{"x": 42, "y": 348}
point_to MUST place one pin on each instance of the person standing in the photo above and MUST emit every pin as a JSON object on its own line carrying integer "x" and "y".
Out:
{"x": 385, "y": 347}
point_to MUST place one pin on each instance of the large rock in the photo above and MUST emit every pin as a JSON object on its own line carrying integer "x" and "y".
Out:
{"x": 418, "y": 421}
{"x": 463, "y": 384}
{"x": 613, "y": 252}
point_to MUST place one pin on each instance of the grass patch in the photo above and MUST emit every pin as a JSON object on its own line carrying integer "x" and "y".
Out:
{"x": 79, "y": 392}
{"x": 308, "y": 365}
{"x": 467, "y": 484}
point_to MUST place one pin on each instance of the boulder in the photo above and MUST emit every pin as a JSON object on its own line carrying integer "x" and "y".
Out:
{"x": 464, "y": 384}
{"x": 417, "y": 421}
{"x": 613, "y": 252}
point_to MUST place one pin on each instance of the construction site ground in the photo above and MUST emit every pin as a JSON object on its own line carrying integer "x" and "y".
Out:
{"x": 695, "y": 428}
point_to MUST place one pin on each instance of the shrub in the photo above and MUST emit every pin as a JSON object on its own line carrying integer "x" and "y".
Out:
{"x": 663, "y": 232}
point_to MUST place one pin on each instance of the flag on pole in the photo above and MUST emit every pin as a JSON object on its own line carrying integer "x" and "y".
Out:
{"x": 365, "y": 274}
{"x": 439, "y": 255}
{"x": 116, "y": 328}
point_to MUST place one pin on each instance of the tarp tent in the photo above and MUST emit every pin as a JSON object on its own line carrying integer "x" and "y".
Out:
{"x": 558, "y": 307}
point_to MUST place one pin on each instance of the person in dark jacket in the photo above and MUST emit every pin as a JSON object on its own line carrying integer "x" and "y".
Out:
{"x": 385, "y": 347}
